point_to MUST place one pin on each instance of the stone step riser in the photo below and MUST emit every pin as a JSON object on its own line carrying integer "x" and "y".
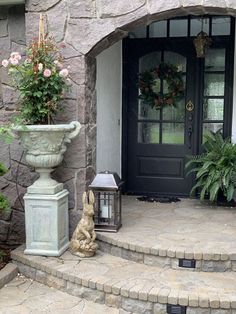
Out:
{"x": 207, "y": 263}
{"x": 104, "y": 294}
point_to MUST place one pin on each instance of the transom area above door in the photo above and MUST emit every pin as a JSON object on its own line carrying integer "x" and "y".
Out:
{"x": 188, "y": 26}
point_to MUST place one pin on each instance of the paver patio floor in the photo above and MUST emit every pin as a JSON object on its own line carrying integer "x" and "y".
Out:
{"x": 187, "y": 225}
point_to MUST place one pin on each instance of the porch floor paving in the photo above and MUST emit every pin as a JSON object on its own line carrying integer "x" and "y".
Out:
{"x": 187, "y": 226}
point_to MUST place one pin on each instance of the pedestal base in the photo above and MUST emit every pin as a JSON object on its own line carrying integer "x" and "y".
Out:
{"x": 46, "y": 223}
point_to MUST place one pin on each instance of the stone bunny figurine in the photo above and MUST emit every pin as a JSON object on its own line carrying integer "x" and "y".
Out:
{"x": 82, "y": 242}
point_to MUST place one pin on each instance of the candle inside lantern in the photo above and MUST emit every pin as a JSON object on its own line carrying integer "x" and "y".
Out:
{"x": 105, "y": 207}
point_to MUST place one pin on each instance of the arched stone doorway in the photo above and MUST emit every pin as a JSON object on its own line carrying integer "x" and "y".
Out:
{"x": 105, "y": 162}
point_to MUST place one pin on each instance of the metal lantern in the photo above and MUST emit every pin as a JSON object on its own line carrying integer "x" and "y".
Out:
{"x": 107, "y": 212}
{"x": 202, "y": 42}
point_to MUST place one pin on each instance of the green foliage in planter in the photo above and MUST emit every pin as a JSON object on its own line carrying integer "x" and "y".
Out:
{"x": 215, "y": 169}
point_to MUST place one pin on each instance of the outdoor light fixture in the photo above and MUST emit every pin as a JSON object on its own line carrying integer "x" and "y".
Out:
{"x": 202, "y": 42}
{"x": 106, "y": 187}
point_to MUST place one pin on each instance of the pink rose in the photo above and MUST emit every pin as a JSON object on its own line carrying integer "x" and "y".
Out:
{"x": 5, "y": 63}
{"x": 64, "y": 73}
{"x": 47, "y": 73}
{"x": 14, "y": 61}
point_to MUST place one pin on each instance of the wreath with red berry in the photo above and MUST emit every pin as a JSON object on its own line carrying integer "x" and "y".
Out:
{"x": 161, "y": 86}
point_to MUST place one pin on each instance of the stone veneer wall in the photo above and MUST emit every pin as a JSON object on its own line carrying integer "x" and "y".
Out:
{"x": 87, "y": 27}
{"x": 12, "y": 38}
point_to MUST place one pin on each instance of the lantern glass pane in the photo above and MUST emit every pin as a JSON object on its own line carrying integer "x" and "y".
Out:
{"x": 106, "y": 208}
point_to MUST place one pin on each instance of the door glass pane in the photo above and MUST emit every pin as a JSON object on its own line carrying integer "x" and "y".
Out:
{"x": 221, "y": 26}
{"x": 176, "y": 59}
{"x": 215, "y": 60}
{"x": 213, "y": 109}
{"x": 214, "y": 84}
{"x": 148, "y": 133}
{"x": 178, "y": 28}
{"x": 150, "y": 61}
{"x": 199, "y": 24}
{"x": 158, "y": 29}
{"x": 176, "y": 112}
{"x": 213, "y": 127}
{"x": 173, "y": 133}
{"x": 147, "y": 112}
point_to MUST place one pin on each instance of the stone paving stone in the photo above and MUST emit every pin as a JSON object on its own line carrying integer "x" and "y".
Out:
{"x": 193, "y": 310}
{"x": 214, "y": 301}
{"x": 159, "y": 309}
{"x": 137, "y": 306}
{"x": 113, "y": 300}
{"x": 193, "y": 300}
{"x": 219, "y": 311}
{"x": 183, "y": 298}
{"x": 173, "y": 297}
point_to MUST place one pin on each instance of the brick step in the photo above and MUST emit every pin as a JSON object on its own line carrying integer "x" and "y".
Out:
{"x": 160, "y": 234}
{"x": 207, "y": 260}
{"x": 134, "y": 287}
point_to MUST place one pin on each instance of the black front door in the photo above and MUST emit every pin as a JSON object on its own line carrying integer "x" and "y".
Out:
{"x": 159, "y": 141}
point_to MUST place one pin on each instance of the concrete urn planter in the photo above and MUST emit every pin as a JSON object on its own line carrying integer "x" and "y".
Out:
{"x": 44, "y": 146}
{"x": 46, "y": 202}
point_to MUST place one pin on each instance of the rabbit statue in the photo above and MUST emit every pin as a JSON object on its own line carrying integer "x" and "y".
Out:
{"x": 82, "y": 242}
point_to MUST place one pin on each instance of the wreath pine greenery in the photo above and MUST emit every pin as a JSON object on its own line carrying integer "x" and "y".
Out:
{"x": 152, "y": 94}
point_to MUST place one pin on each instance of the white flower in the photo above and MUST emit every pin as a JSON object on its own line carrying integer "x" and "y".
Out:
{"x": 64, "y": 73}
{"x": 5, "y": 63}
{"x": 13, "y": 61}
{"x": 40, "y": 66}
{"x": 16, "y": 55}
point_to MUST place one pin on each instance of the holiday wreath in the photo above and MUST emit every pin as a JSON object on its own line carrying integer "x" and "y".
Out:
{"x": 151, "y": 87}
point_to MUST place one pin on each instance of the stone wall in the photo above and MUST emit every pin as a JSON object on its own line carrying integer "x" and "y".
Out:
{"x": 12, "y": 38}
{"x": 85, "y": 27}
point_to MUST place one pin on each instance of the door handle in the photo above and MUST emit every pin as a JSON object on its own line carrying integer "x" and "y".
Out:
{"x": 190, "y": 132}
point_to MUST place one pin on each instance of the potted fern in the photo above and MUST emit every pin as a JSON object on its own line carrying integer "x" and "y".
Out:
{"x": 215, "y": 169}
